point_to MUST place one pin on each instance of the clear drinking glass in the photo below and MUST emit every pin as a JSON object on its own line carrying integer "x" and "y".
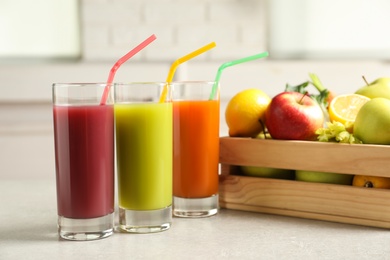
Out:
{"x": 195, "y": 148}
{"x": 84, "y": 154}
{"x": 144, "y": 157}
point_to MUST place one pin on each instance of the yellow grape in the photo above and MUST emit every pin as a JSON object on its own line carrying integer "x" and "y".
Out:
{"x": 336, "y": 132}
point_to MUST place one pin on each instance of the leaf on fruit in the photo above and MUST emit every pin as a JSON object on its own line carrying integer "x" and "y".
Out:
{"x": 301, "y": 88}
{"x": 336, "y": 132}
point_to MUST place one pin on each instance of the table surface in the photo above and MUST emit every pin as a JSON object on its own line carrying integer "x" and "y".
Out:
{"x": 28, "y": 231}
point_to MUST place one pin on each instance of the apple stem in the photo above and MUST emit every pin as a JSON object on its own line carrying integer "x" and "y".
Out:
{"x": 303, "y": 96}
{"x": 364, "y": 78}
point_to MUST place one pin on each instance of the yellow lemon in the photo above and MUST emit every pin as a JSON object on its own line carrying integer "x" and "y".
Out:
{"x": 244, "y": 113}
{"x": 344, "y": 108}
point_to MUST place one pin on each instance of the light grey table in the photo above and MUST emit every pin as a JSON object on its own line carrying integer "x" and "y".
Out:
{"x": 28, "y": 231}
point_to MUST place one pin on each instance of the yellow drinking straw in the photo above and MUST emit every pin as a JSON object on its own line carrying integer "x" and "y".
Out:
{"x": 181, "y": 60}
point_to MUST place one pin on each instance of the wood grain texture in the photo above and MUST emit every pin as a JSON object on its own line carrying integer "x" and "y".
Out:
{"x": 305, "y": 155}
{"x": 330, "y": 202}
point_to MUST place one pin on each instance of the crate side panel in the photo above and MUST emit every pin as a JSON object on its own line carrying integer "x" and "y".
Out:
{"x": 307, "y": 215}
{"x": 316, "y": 198}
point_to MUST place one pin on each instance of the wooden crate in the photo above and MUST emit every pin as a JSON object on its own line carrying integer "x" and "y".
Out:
{"x": 329, "y": 202}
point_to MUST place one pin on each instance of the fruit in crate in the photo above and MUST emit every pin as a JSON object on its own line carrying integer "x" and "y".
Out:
{"x": 378, "y": 88}
{"x": 266, "y": 172}
{"x": 293, "y": 116}
{"x": 323, "y": 177}
{"x": 344, "y": 109}
{"x": 323, "y": 97}
{"x": 372, "y": 124}
{"x": 336, "y": 132}
{"x": 371, "y": 182}
{"x": 244, "y": 113}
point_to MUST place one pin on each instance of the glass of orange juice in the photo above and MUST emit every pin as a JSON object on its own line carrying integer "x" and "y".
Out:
{"x": 195, "y": 148}
{"x": 144, "y": 143}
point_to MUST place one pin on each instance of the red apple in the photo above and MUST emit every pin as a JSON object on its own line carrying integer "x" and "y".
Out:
{"x": 293, "y": 116}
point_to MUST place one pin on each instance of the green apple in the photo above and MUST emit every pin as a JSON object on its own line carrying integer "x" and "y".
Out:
{"x": 378, "y": 88}
{"x": 266, "y": 172}
{"x": 372, "y": 123}
{"x": 323, "y": 177}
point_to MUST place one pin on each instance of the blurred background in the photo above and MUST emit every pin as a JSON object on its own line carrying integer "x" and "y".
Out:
{"x": 47, "y": 41}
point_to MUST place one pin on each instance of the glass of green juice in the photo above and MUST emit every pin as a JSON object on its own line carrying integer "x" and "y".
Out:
{"x": 144, "y": 140}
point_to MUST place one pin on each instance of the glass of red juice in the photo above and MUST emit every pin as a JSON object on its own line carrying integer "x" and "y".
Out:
{"x": 84, "y": 154}
{"x": 195, "y": 148}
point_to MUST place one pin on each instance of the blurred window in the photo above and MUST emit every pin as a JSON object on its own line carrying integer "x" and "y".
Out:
{"x": 39, "y": 29}
{"x": 329, "y": 29}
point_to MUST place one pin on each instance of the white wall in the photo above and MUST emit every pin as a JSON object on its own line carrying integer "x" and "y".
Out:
{"x": 111, "y": 27}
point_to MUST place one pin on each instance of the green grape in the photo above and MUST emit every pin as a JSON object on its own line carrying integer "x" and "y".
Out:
{"x": 336, "y": 132}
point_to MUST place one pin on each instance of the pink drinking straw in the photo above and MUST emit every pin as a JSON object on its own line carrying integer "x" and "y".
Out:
{"x": 120, "y": 62}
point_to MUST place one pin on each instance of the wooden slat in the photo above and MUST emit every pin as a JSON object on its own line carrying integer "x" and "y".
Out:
{"x": 304, "y": 155}
{"x": 329, "y": 202}
{"x": 307, "y": 215}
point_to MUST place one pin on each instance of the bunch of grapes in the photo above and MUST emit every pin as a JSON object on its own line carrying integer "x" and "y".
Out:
{"x": 336, "y": 132}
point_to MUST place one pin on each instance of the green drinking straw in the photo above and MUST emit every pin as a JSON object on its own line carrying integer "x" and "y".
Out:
{"x": 231, "y": 63}
{"x": 122, "y": 60}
